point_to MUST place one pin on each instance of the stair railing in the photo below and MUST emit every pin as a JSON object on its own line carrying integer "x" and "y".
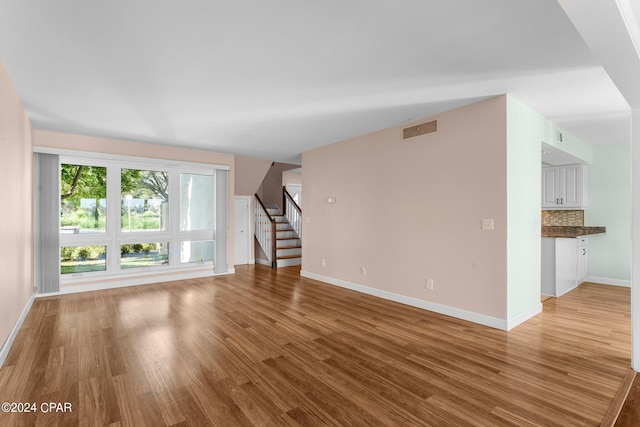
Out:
{"x": 292, "y": 211}
{"x": 265, "y": 231}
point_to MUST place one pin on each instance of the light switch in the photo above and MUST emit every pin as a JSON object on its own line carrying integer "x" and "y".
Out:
{"x": 487, "y": 224}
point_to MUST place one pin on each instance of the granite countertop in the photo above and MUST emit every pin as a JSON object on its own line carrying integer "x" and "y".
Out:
{"x": 569, "y": 231}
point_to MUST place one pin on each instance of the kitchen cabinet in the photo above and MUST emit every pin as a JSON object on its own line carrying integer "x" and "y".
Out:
{"x": 564, "y": 187}
{"x": 564, "y": 264}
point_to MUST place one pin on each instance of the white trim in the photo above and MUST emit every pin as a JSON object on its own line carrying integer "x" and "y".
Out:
{"x": 482, "y": 319}
{"x": 566, "y": 291}
{"x": 516, "y": 320}
{"x": 252, "y": 261}
{"x": 161, "y": 271}
{"x": 127, "y": 159}
{"x": 608, "y": 281}
{"x": 263, "y": 262}
{"x": 4, "y": 351}
{"x": 133, "y": 281}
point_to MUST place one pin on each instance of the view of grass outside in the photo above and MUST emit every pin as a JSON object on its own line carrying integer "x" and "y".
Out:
{"x": 144, "y": 255}
{"x": 83, "y": 259}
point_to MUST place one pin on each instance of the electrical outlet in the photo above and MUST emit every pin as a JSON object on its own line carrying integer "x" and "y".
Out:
{"x": 323, "y": 263}
{"x": 363, "y": 271}
{"x": 429, "y": 284}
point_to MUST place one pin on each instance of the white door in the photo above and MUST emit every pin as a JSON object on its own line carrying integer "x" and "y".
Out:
{"x": 241, "y": 231}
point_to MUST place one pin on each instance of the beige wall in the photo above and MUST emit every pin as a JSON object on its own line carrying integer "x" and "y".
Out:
{"x": 408, "y": 210}
{"x": 270, "y": 191}
{"x": 291, "y": 178}
{"x": 95, "y": 144}
{"x": 249, "y": 173}
{"x": 16, "y": 217}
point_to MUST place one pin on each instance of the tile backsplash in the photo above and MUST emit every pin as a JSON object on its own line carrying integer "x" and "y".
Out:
{"x": 570, "y": 218}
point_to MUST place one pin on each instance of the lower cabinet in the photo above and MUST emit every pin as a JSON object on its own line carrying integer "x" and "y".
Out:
{"x": 564, "y": 264}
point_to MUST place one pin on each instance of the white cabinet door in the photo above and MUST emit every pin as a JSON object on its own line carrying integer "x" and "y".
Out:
{"x": 570, "y": 186}
{"x": 564, "y": 187}
{"x": 549, "y": 187}
{"x": 566, "y": 265}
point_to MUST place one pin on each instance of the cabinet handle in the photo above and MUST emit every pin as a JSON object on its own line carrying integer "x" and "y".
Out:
{"x": 562, "y": 200}
{"x": 557, "y": 201}
{"x": 584, "y": 251}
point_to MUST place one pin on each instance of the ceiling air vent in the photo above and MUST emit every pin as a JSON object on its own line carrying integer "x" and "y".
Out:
{"x": 421, "y": 129}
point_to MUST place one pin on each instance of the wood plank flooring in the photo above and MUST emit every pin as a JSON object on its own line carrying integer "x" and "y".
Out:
{"x": 267, "y": 348}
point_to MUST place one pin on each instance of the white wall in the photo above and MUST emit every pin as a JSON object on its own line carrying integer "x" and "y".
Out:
{"x": 526, "y": 129}
{"x": 610, "y": 206}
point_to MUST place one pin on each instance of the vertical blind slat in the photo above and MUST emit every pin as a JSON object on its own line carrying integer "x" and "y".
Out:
{"x": 222, "y": 196}
{"x": 47, "y": 232}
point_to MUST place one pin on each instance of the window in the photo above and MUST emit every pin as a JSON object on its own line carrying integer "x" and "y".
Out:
{"x": 117, "y": 218}
{"x": 200, "y": 251}
{"x": 144, "y": 255}
{"x": 83, "y": 192}
{"x": 82, "y": 259}
{"x": 145, "y": 199}
{"x": 196, "y": 202}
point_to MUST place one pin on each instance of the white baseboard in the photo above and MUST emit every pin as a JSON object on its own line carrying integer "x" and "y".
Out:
{"x": 518, "y": 319}
{"x": 4, "y": 351}
{"x": 482, "y": 319}
{"x": 263, "y": 262}
{"x": 608, "y": 281}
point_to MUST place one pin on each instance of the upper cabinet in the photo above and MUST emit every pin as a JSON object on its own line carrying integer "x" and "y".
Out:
{"x": 564, "y": 187}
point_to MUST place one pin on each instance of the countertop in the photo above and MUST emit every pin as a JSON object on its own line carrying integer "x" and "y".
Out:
{"x": 569, "y": 231}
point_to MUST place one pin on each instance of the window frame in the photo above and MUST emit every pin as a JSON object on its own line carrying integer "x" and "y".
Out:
{"x": 114, "y": 236}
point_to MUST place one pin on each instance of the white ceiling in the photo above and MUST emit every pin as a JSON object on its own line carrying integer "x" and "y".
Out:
{"x": 273, "y": 79}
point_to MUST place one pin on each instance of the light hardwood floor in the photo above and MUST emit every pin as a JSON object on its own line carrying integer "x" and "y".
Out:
{"x": 266, "y": 347}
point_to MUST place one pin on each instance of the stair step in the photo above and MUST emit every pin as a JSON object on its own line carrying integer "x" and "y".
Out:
{"x": 286, "y": 234}
{"x": 288, "y": 262}
{"x": 289, "y": 247}
{"x": 288, "y": 242}
{"x": 287, "y": 256}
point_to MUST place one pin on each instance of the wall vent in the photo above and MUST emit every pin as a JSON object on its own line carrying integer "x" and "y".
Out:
{"x": 421, "y": 129}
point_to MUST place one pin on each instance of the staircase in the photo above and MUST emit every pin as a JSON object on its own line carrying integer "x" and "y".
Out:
{"x": 288, "y": 243}
{"x": 278, "y": 233}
